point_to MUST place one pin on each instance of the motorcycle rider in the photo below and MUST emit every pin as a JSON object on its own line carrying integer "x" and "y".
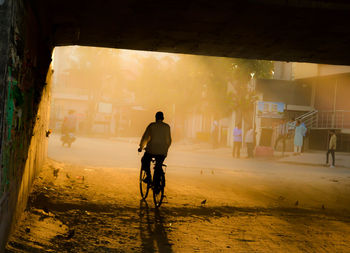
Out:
{"x": 69, "y": 128}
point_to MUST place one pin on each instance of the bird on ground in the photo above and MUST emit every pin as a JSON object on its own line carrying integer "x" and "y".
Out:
{"x": 55, "y": 172}
{"x": 212, "y": 172}
{"x": 67, "y": 176}
{"x": 323, "y": 207}
{"x": 296, "y": 203}
{"x": 70, "y": 234}
{"x": 203, "y": 202}
{"x": 201, "y": 172}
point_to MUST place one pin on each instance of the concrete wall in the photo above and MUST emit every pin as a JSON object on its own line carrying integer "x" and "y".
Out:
{"x": 24, "y": 108}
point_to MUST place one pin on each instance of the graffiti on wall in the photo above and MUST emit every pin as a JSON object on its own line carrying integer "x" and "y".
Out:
{"x": 13, "y": 109}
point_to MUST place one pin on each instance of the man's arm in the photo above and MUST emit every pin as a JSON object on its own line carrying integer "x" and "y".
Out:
{"x": 145, "y": 138}
{"x": 333, "y": 142}
{"x": 169, "y": 138}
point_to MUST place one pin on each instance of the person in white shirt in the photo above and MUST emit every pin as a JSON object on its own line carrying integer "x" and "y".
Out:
{"x": 157, "y": 139}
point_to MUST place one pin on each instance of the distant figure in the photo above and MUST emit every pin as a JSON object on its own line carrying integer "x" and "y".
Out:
{"x": 68, "y": 128}
{"x": 282, "y": 135}
{"x": 304, "y": 136}
{"x": 157, "y": 140}
{"x": 249, "y": 141}
{"x": 215, "y": 134}
{"x": 237, "y": 141}
{"x": 331, "y": 148}
{"x": 69, "y": 123}
{"x": 298, "y": 137}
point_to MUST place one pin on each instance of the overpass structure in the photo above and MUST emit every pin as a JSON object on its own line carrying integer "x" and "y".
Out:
{"x": 294, "y": 30}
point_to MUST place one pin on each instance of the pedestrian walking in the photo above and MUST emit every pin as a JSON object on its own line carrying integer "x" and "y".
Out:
{"x": 249, "y": 141}
{"x": 298, "y": 137}
{"x": 332, "y": 145}
{"x": 304, "y": 137}
{"x": 237, "y": 141}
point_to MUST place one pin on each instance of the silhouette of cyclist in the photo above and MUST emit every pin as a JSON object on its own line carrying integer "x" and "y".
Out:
{"x": 157, "y": 140}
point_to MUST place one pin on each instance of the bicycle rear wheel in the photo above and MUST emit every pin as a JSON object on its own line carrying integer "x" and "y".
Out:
{"x": 144, "y": 187}
{"x": 158, "y": 194}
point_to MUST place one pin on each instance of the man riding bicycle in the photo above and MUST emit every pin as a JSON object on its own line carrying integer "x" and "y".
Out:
{"x": 157, "y": 140}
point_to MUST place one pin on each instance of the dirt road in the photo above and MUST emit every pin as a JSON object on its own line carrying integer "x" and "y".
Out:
{"x": 252, "y": 206}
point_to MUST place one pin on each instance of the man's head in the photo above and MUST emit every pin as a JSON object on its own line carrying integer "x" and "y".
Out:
{"x": 332, "y": 131}
{"x": 159, "y": 116}
{"x": 71, "y": 111}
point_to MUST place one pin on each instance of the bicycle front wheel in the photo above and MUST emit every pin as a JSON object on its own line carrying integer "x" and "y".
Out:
{"x": 144, "y": 187}
{"x": 158, "y": 193}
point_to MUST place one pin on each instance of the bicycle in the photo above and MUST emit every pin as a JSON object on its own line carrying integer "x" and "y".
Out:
{"x": 158, "y": 194}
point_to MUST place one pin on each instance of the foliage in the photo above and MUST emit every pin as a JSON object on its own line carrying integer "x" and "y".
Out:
{"x": 165, "y": 81}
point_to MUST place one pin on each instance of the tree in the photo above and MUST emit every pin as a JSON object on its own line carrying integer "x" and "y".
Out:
{"x": 243, "y": 96}
{"x": 89, "y": 72}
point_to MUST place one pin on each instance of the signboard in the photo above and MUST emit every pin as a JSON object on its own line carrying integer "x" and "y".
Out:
{"x": 105, "y": 107}
{"x": 270, "y": 109}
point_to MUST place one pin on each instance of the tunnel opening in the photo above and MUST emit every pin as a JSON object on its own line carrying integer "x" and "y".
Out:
{"x": 312, "y": 31}
{"x": 113, "y": 94}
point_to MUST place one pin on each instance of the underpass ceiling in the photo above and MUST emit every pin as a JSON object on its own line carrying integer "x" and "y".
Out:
{"x": 307, "y": 31}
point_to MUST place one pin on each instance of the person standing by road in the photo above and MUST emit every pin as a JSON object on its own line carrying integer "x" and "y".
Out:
{"x": 237, "y": 141}
{"x": 304, "y": 137}
{"x": 298, "y": 137}
{"x": 249, "y": 141}
{"x": 331, "y": 148}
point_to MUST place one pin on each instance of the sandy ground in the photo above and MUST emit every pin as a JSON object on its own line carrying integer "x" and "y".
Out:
{"x": 93, "y": 204}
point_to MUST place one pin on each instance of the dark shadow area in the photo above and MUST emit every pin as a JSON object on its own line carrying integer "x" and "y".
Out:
{"x": 66, "y": 218}
{"x": 152, "y": 231}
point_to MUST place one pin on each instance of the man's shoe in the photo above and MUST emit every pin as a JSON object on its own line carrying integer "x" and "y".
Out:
{"x": 156, "y": 190}
{"x": 147, "y": 180}
{"x": 332, "y": 166}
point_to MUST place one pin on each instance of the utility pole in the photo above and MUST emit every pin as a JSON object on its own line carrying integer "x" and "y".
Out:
{"x": 334, "y": 103}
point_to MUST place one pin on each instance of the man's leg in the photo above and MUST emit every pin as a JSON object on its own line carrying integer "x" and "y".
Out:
{"x": 146, "y": 164}
{"x": 327, "y": 156}
{"x": 333, "y": 157}
{"x": 302, "y": 146}
{"x": 283, "y": 144}
{"x": 239, "y": 144}
{"x": 234, "y": 153}
{"x": 158, "y": 169}
{"x": 234, "y": 149}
